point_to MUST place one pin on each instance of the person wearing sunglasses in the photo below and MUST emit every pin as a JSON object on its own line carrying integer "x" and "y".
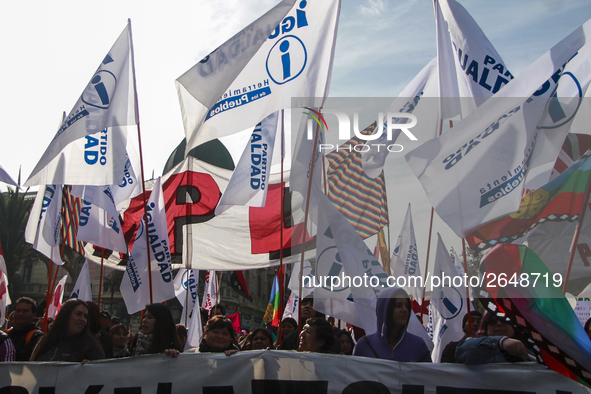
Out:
{"x": 496, "y": 341}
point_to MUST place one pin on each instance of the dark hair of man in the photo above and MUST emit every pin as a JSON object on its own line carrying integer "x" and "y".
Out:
{"x": 221, "y": 322}
{"x": 165, "y": 334}
{"x": 59, "y": 328}
{"x": 324, "y": 332}
{"x": 221, "y": 308}
{"x": 27, "y": 300}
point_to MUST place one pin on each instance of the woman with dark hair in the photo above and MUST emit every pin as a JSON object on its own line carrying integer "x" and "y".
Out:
{"x": 346, "y": 341}
{"x": 392, "y": 341}
{"x": 119, "y": 334}
{"x": 158, "y": 333}
{"x": 69, "y": 338}
{"x": 259, "y": 339}
{"x": 219, "y": 336}
{"x": 316, "y": 336}
{"x": 495, "y": 342}
{"x": 94, "y": 325}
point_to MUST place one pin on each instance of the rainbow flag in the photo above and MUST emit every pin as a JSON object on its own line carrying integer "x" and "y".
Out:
{"x": 537, "y": 308}
{"x": 558, "y": 200}
{"x": 272, "y": 313}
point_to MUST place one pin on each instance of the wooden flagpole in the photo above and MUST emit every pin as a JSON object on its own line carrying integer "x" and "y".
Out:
{"x": 308, "y": 193}
{"x": 139, "y": 137}
{"x": 48, "y": 297}
{"x": 101, "y": 278}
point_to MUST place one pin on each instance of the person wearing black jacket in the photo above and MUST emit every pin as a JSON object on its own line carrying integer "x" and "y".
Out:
{"x": 24, "y": 334}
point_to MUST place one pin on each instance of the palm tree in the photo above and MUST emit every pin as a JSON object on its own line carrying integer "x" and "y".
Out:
{"x": 14, "y": 214}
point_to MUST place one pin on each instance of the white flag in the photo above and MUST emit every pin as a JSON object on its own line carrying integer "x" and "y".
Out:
{"x": 405, "y": 258}
{"x": 410, "y": 101}
{"x": 475, "y": 172}
{"x": 211, "y": 292}
{"x": 352, "y": 278}
{"x": 82, "y": 289}
{"x": 43, "y": 227}
{"x": 4, "y": 296}
{"x": 107, "y": 101}
{"x": 448, "y": 299}
{"x": 98, "y": 227}
{"x": 250, "y": 180}
{"x": 135, "y": 286}
{"x": 58, "y": 295}
{"x": 4, "y": 177}
{"x": 185, "y": 289}
{"x": 292, "y": 307}
{"x": 468, "y": 64}
{"x": 195, "y": 329}
{"x": 259, "y": 70}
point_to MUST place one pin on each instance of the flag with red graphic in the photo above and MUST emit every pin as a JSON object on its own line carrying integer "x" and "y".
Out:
{"x": 4, "y": 297}
{"x": 56, "y": 301}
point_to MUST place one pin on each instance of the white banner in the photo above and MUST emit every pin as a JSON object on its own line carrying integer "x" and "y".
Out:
{"x": 211, "y": 293}
{"x": 281, "y": 372}
{"x": 108, "y": 100}
{"x": 185, "y": 289}
{"x": 285, "y": 53}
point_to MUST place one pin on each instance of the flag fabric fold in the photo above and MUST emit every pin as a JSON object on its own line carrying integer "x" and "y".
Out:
{"x": 58, "y": 295}
{"x": 108, "y": 101}
{"x": 135, "y": 285}
{"x": 44, "y": 225}
{"x": 185, "y": 289}
{"x": 82, "y": 289}
{"x": 211, "y": 292}
{"x": 406, "y": 257}
{"x": 5, "y": 177}
{"x": 288, "y": 52}
{"x": 271, "y": 316}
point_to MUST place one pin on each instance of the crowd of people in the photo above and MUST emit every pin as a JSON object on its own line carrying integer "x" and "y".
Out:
{"x": 82, "y": 333}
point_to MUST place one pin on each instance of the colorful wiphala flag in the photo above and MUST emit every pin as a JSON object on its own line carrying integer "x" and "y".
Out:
{"x": 361, "y": 199}
{"x": 272, "y": 313}
{"x": 538, "y": 309}
{"x": 71, "y": 214}
{"x": 559, "y": 200}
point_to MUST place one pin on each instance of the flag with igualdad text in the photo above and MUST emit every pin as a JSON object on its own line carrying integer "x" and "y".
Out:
{"x": 286, "y": 53}
{"x": 469, "y": 67}
{"x": 250, "y": 180}
{"x": 466, "y": 178}
{"x": 135, "y": 285}
{"x": 96, "y": 121}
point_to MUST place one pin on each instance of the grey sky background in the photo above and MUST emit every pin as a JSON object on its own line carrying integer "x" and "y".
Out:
{"x": 51, "y": 49}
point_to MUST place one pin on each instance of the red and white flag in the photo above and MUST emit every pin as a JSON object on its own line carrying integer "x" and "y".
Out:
{"x": 58, "y": 295}
{"x": 211, "y": 293}
{"x": 4, "y": 296}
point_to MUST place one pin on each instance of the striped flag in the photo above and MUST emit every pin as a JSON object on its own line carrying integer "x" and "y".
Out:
{"x": 272, "y": 313}
{"x": 71, "y": 218}
{"x": 361, "y": 199}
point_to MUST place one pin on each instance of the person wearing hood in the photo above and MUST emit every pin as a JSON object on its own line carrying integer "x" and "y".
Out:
{"x": 392, "y": 341}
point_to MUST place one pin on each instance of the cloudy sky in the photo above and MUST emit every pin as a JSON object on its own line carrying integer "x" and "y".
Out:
{"x": 51, "y": 49}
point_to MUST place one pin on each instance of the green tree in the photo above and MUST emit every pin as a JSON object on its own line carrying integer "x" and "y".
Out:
{"x": 14, "y": 214}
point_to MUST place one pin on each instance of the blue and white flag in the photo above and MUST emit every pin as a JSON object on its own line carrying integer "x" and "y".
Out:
{"x": 185, "y": 288}
{"x": 405, "y": 258}
{"x": 4, "y": 177}
{"x": 195, "y": 329}
{"x": 135, "y": 286}
{"x": 469, "y": 67}
{"x": 82, "y": 289}
{"x": 348, "y": 277}
{"x": 476, "y": 171}
{"x": 44, "y": 225}
{"x": 288, "y": 52}
{"x": 449, "y": 299}
{"x": 107, "y": 101}
{"x": 100, "y": 228}
{"x": 250, "y": 180}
